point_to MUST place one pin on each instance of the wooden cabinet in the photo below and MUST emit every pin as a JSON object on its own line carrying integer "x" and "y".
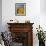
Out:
{"x": 22, "y": 33}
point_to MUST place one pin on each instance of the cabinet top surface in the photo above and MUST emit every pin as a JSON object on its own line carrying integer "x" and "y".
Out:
{"x": 19, "y": 23}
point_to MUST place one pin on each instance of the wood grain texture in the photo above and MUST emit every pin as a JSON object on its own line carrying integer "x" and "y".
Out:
{"x": 23, "y": 27}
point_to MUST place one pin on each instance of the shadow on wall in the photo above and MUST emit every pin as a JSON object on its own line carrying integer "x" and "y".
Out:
{"x": 0, "y": 15}
{"x": 43, "y": 6}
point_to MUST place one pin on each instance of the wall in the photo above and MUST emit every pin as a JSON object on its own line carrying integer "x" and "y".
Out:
{"x": 0, "y": 15}
{"x": 43, "y": 14}
{"x": 43, "y": 6}
{"x": 33, "y": 13}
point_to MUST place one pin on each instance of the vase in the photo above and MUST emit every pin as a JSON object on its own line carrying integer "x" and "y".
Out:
{"x": 41, "y": 43}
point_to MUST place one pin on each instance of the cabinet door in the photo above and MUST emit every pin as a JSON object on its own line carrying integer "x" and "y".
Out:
{"x": 20, "y": 37}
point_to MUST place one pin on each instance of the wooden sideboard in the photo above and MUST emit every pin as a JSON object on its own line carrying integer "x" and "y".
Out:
{"x": 22, "y": 33}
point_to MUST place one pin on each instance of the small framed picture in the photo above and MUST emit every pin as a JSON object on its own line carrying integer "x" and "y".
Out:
{"x": 20, "y": 9}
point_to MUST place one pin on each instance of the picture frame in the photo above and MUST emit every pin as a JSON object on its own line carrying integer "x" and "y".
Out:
{"x": 20, "y": 9}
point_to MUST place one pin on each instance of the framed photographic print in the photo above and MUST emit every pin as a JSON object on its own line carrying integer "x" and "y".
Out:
{"x": 20, "y": 9}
